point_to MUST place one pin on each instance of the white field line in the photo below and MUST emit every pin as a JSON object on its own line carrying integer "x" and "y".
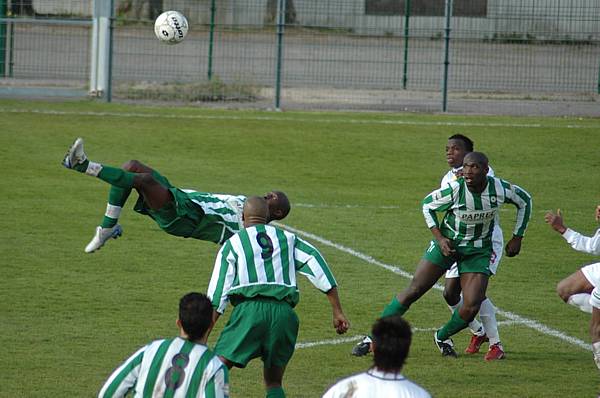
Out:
{"x": 530, "y": 323}
{"x": 283, "y": 118}
{"x": 350, "y": 339}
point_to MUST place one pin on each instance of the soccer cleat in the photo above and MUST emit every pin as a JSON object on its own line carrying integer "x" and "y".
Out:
{"x": 475, "y": 343}
{"x": 496, "y": 351}
{"x": 101, "y": 236}
{"x": 446, "y": 347}
{"x": 363, "y": 347}
{"x": 75, "y": 155}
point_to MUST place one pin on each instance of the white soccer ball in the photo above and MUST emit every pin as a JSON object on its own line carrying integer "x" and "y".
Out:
{"x": 171, "y": 27}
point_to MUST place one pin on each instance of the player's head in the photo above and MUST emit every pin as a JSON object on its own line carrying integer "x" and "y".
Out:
{"x": 195, "y": 315}
{"x": 475, "y": 169}
{"x": 279, "y": 205}
{"x": 391, "y": 342}
{"x": 256, "y": 211}
{"x": 457, "y": 147}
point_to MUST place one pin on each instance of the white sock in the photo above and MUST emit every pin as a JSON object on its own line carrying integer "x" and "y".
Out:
{"x": 475, "y": 326}
{"x": 596, "y": 350}
{"x": 487, "y": 313}
{"x": 93, "y": 169}
{"x": 113, "y": 211}
{"x": 581, "y": 301}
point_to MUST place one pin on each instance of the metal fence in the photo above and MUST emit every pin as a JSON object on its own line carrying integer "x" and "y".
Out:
{"x": 361, "y": 54}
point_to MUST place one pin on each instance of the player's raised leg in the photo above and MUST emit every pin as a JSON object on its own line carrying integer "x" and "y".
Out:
{"x": 122, "y": 181}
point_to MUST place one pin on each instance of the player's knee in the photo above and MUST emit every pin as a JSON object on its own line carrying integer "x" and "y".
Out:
{"x": 135, "y": 166}
{"x": 563, "y": 290}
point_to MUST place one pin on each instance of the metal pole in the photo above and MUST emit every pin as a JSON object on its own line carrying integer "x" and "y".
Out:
{"x": 280, "y": 31}
{"x": 406, "y": 32}
{"x": 598, "y": 77}
{"x": 11, "y": 50}
{"x": 2, "y": 39}
{"x": 111, "y": 24}
{"x": 446, "y": 55}
{"x": 213, "y": 11}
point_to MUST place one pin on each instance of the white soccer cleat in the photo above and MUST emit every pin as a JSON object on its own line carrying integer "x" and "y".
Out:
{"x": 75, "y": 155}
{"x": 101, "y": 236}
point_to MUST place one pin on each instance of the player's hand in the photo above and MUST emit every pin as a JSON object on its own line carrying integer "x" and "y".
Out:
{"x": 340, "y": 323}
{"x": 556, "y": 221}
{"x": 513, "y": 247}
{"x": 598, "y": 213}
{"x": 446, "y": 246}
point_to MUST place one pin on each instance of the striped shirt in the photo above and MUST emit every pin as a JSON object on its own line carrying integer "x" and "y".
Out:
{"x": 262, "y": 260}
{"x": 375, "y": 383}
{"x": 175, "y": 368}
{"x": 470, "y": 217}
{"x": 222, "y": 214}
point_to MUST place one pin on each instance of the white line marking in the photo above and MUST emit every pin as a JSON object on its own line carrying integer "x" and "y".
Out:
{"x": 533, "y": 324}
{"x": 289, "y": 118}
{"x": 350, "y": 339}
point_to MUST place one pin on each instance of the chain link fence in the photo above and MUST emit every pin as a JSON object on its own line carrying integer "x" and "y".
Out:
{"x": 350, "y": 54}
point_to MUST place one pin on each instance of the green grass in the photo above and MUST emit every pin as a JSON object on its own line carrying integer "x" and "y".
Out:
{"x": 68, "y": 319}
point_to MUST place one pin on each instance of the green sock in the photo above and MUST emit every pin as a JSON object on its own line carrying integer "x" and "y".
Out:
{"x": 116, "y": 199}
{"x": 81, "y": 167}
{"x": 393, "y": 308}
{"x": 453, "y": 326}
{"x": 117, "y": 177}
{"x": 276, "y": 392}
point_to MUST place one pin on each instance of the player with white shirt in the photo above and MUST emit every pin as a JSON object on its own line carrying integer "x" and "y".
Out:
{"x": 391, "y": 343}
{"x": 582, "y": 288}
{"x": 487, "y": 330}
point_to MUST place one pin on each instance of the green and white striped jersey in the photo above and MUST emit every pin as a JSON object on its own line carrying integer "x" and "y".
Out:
{"x": 222, "y": 214}
{"x": 470, "y": 218}
{"x": 176, "y": 368}
{"x": 262, "y": 260}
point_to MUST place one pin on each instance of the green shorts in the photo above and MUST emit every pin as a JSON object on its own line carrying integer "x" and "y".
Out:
{"x": 182, "y": 217}
{"x": 259, "y": 327}
{"x": 467, "y": 258}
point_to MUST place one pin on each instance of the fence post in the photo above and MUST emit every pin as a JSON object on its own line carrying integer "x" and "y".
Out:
{"x": 406, "y": 32}
{"x": 448, "y": 16}
{"x": 211, "y": 37}
{"x": 598, "y": 77}
{"x": 2, "y": 38}
{"x": 101, "y": 60}
{"x": 280, "y": 31}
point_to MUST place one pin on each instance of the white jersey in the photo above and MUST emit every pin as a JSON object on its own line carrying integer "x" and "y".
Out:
{"x": 497, "y": 237}
{"x": 583, "y": 243}
{"x": 376, "y": 384}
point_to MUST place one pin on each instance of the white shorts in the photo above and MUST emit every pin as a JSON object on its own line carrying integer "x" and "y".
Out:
{"x": 497, "y": 247}
{"x": 592, "y": 274}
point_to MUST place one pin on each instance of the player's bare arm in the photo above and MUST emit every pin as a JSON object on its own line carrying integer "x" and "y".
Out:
{"x": 445, "y": 244}
{"x": 556, "y": 221}
{"x": 513, "y": 247}
{"x": 340, "y": 322}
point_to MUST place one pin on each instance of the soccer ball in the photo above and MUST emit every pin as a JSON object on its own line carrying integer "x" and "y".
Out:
{"x": 171, "y": 27}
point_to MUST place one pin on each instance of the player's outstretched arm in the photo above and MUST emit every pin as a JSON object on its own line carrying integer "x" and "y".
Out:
{"x": 340, "y": 322}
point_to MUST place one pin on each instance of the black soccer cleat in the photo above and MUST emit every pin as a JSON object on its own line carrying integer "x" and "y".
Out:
{"x": 363, "y": 347}
{"x": 446, "y": 347}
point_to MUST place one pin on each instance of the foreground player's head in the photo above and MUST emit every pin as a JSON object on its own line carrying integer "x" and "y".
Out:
{"x": 391, "y": 342}
{"x": 195, "y": 316}
{"x": 457, "y": 147}
{"x": 256, "y": 211}
{"x": 475, "y": 169}
{"x": 279, "y": 205}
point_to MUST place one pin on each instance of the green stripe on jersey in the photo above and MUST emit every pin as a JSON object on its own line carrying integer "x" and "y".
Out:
{"x": 114, "y": 385}
{"x": 249, "y": 255}
{"x": 155, "y": 368}
{"x": 284, "y": 255}
{"x": 310, "y": 250}
{"x": 196, "y": 379}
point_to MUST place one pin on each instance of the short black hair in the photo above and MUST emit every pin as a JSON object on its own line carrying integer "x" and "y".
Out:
{"x": 466, "y": 140}
{"x": 195, "y": 314}
{"x": 392, "y": 337}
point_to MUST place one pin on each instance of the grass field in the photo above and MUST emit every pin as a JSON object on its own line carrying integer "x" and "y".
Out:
{"x": 67, "y": 319}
